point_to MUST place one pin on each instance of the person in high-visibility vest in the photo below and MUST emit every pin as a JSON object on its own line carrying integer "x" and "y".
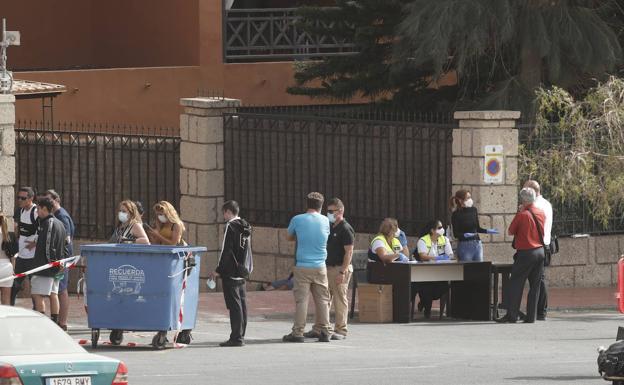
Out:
{"x": 431, "y": 247}
{"x": 386, "y": 247}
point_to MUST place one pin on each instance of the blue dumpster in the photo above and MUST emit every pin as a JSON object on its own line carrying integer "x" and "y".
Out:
{"x": 139, "y": 288}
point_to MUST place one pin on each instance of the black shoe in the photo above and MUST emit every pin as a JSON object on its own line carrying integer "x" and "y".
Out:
{"x": 311, "y": 334}
{"x": 541, "y": 318}
{"x": 230, "y": 343}
{"x": 527, "y": 321}
{"x": 505, "y": 319}
{"x": 291, "y": 338}
{"x": 338, "y": 337}
{"x": 324, "y": 337}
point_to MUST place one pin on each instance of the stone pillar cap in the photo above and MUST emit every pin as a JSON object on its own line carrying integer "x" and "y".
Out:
{"x": 206, "y": 102}
{"x": 7, "y": 98}
{"x": 487, "y": 115}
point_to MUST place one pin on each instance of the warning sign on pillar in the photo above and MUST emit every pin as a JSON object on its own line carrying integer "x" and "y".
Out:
{"x": 493, "y": 164}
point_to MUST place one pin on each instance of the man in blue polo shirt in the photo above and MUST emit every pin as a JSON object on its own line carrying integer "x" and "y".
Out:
{"x": 311, "y": 231}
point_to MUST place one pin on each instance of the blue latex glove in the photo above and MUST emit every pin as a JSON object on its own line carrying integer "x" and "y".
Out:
{"x": 469, "y": 235}
{"x": 442, "y": 257}
{"x": 402, "y": 258}
{"x": 403, "y": 238}
{"x": 492, "y": 231}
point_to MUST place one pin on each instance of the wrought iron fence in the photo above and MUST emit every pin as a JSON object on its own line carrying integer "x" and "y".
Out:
{"x": 273, "y": 34}
{"x": 93, "y": 172}
{"x": 568, "y": 217}
{"x": 99, "y": 128}
{"x": 378, "y": 168}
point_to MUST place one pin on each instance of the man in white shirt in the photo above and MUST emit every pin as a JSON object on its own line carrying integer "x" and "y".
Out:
{"x": 546, "y": 207}
{"x": 26, "y": 224}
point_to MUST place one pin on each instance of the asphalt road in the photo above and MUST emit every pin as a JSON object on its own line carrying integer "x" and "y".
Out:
{"x": 561, "y": 350}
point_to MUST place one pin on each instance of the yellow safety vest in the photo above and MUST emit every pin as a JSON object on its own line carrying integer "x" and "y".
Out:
{"x": 441, "y": 243}
{"x": 396, "y": 244}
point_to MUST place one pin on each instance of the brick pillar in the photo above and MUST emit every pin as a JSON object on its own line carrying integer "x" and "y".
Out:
{"x": 497, "y": 203}
{"x": 201, "y": 172}
{"x": 7, "y": 154}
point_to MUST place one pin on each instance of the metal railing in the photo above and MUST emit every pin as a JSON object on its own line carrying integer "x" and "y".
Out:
{"x": 379, "y": 168}
{"x": 272, "y": 34}
{"x": 93, "y": 172}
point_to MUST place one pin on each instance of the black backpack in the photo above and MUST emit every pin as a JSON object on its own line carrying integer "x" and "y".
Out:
{"x": 611, "y": 360}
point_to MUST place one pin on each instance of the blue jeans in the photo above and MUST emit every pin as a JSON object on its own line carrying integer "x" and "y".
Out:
{"x": 470, "y": 251}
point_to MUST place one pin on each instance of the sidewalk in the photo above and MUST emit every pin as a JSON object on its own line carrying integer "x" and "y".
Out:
{"x": 280, "y": 304}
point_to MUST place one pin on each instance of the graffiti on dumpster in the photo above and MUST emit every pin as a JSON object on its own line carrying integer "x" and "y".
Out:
{"x": 126, "y": 279}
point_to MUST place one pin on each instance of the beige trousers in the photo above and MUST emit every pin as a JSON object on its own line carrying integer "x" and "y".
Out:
{"x": 306, "y": 281}
{"x": 339, "y": 297}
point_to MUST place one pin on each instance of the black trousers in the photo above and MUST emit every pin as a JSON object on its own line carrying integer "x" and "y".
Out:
{"x": 234, "y": 294}
{"x": 428, "y": 292}
{"x": 528, "y": 264}
{"x": 542, "y": 302}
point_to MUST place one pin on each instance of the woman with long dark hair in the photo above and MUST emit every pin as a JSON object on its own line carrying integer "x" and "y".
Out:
{"x": 466, "y": 228}
{"x": 432, "y": 246}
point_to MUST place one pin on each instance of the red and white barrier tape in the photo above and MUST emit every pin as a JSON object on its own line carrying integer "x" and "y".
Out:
{"x": 185, "y": 271}
{"x": 67, "y": 263}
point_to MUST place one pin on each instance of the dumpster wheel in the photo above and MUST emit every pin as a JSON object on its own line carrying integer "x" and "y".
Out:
{"x": 116, "y": 337}
{"x": 184, "y": 337}
{"x": 160, "y": 340}
{"x": 95, "y": 336}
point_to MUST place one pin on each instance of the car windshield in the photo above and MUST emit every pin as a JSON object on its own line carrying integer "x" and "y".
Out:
{"x": 34, "y": 335}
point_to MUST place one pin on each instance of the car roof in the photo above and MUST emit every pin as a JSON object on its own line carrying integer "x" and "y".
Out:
{"x": 13, "y": 311}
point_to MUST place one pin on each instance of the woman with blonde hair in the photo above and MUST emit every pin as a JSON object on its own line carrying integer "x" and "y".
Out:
{"x": 386, "y": 247}
{"x": 129, "y": 227}
{"x": 7, "y": 251}
{"x": 169, "y": 229}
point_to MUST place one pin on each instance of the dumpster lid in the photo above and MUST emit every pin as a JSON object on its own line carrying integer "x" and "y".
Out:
{"x": 143, "y": 249}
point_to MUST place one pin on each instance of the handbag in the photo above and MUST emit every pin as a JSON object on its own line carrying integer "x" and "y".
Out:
{"x": 10, "y": 246}
{"x": 547, "y": 254}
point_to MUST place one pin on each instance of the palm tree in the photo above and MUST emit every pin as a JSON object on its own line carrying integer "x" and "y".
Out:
{"x": 503, "y": 50}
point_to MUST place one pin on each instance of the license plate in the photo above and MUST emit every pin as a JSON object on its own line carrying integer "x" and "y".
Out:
{"x": 86, "y": 380}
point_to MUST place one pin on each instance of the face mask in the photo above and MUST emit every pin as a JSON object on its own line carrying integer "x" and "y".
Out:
{"x": 123, "y": 217}
{"x": 397, "y": 233}
{"x": 440, "y": 231}
{"x": 468, "y": 202}
{"x": 162, "y": 219}
{"x": 331, "y": 217}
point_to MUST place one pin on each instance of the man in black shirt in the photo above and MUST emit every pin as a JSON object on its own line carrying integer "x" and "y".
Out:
{"x": 339, "y": 269}
{"x": 50, "y": 247}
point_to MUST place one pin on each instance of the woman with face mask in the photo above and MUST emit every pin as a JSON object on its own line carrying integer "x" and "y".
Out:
{"x": 466, "y": 228}
{"x": 432, "y": 247}
{"x": 129, "y": 228}
{"x": 168, "y": 228}
{"x": 386, "y": 246}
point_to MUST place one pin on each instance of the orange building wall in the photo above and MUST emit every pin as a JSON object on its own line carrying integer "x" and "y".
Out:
{"x": 99, "y": 34}
{"x": 119, "y": 95}
{"x": 116, "y": 95}
{"x": 145, "y": 33}
{"x": 53, "y": 33}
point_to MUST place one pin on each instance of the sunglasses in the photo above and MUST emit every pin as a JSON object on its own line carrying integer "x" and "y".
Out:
{"x": 22, "y": 198}
{"x": 440, "y": 227}
{"x": 333, "y": 211}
